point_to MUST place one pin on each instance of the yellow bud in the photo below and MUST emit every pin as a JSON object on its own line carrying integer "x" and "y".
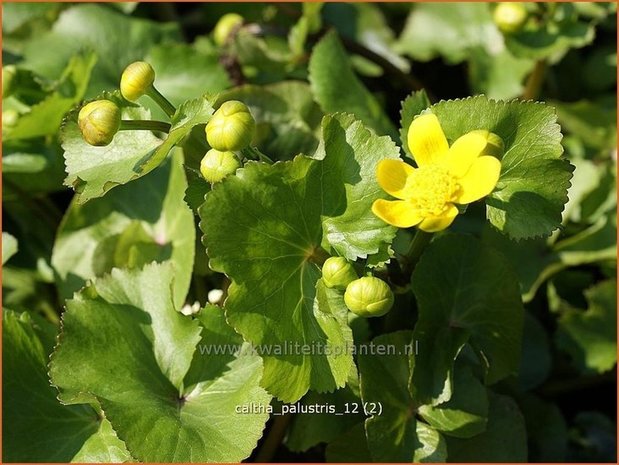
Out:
{"x": 136, "y": 79}
{"x": 510, "y": 17}
{"x": 495, "y": 146}
{"x": 368, "y": 297}
{"x": 216, "y": 165}
{"x": 99, "y": 122}
{"x": 225, "y": 26}
{"x": 338, "y": 273}
{"x": 231, "y": 127}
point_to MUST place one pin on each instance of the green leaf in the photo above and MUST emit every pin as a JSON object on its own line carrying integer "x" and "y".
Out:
{"x": 394, "y": 434}
{"x": 536, "y": 360}
{"x": 465, "y": 291}
{"x": 350, "y": 447}
{"x": 35, "y": 426}
{"x": 524, "y": 203}
{"x": 117, "y": 40}
{"x": 124, "y": 343}
{"x": 466, "y": 413}
{"x": 498, "y": 75}
{"x": 307, "y": 431}
{"x": 103, "y": 447}
{"x": 93, "y": 171}
{"x": 594, "y": 122}
{"x": 287, "y": 118}
{"x": 450, "y": 31}
{"x": 551, "y": 39}
{"x": 337, "y": 88}
{"x": 33, "y": 165}
{"x": 546, "y": 430}
{"x": 183, "y": 73}
{"x": 413, "y": 105}
{"x": 190, "y": 114}
{"x": 505, "y": 439}
{"x": 353, "y": 153}
{"x": 117, "y": 231}
{"x": 264, "y": 228}
{"x": 45, "y": 117}
{"x": 590, "y": 336}
{"x": 9, "y": 246}
{"x": 197, "y": 188}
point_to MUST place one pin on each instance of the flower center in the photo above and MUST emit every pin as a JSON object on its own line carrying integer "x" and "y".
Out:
{"x": 433, "y": 189}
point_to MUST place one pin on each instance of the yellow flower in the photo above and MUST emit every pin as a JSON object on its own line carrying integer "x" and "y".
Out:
{"x": 446, "y": 176}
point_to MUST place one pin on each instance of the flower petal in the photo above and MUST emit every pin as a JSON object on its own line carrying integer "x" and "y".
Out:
{"x": 480, "y": 180}
{"x": 438, "y": 223}
{"x": 465, "y": 150}
{"x": 392, "y": 176}
{"x": 399, "y": 213}
{"x": 426, "y": 139}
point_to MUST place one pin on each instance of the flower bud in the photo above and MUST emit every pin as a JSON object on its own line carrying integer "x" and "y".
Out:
{"x": 495, "y": 146}
{"x": 9, "y": 76}
{"x": 226, "y": 24}
{"x": 338, "y": 273}
{"x": 231, "y": 127}
{"x": 99, "y": 122}
{"x": 136, "y": 79}
{"x": 510, "y": 17}
{"x": 368, "y": 296}
{"x": 216, "y": 165}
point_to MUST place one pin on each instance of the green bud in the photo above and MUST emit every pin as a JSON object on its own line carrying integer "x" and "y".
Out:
{"x": 9, "y": 118}
{"x": 9, "y": 75}
{"x": 338, "y": 273}
{"x": 99, "y": 122}
{"x": 136, "y": 80}
{"x": 495, "y": 146}
{"x": 231, "y": 127}
{"x": 510, "y": 17}
{"x": 368, "y": 296}
{"x": 216, "y": 165}
{"x": 226, "y": 24}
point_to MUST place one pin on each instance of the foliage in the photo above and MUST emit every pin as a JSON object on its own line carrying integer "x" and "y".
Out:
{"x": 151, "y": 315}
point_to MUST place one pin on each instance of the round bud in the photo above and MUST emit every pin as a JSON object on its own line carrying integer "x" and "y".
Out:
{"x": 9, "y": 75}
{"x": 338, "y": 273}
{"x": 99, "y": 122}
{"x": 216, "y": 165}
{"x": 368, "y": 296}
{"x": 495, "y": 146}
{"x": 136, "y": 79}
{"x": 226, "y": 24}
{"x": 9, "y": 118}
{"x": 510, "y": 17}
{"x": 231, "y": 127}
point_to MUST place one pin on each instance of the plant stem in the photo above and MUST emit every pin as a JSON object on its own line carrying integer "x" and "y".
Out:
{"x": 160, "y": 100}
{"x": 416, "y": 248}
{"x": 144, "y": 125}
{"x": 254, "y": 153}
{"x": 535, "y": 80}
{"x": 274, "y": 438}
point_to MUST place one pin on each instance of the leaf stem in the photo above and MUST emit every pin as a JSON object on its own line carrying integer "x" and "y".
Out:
{"x": 416, "y": 248}
{"x": 255, "y": 154}
{"x": 144, "y": 125}
{"x": 535, "y": 80}
{"x": 160, "y": 100}
{"x": 274, "y": 438}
